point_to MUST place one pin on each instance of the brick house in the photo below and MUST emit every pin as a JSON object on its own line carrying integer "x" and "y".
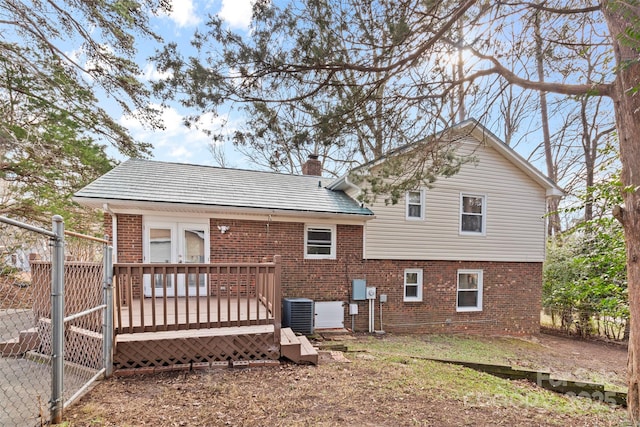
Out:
{"x": 462, "y": 256}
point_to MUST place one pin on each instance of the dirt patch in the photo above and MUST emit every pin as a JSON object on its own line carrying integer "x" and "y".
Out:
{"x": 366, "y": 388}
{"x": 577, "y": 359}
{"x": 16, "y": 291}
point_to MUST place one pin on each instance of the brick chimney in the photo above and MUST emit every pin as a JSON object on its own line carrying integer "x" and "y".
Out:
{"x": 312, "y": 166}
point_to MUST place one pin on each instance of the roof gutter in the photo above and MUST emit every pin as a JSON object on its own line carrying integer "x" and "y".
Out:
{"x": 129, "y": 206}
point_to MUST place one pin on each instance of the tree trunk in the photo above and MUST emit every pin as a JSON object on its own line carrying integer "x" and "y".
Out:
{"x": 553, "y": 224}
{"x": 630, "y": 157}
{"x": 626, "y": 107}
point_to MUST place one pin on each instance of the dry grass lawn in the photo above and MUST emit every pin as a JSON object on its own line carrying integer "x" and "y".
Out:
{"x": 381, "y": 382}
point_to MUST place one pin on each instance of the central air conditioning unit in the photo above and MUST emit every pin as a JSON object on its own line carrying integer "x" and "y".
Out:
{"x": 297, "y": 314}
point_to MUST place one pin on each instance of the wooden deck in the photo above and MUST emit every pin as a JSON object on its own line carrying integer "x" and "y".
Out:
{"x": 241, "y": 294}
{"x": 233, "y": 316}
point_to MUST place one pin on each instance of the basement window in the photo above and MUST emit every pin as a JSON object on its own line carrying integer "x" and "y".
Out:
{"x": 469, "y": 290}
{"x": 412, "y": 285}
{"x": 320, "y": 242}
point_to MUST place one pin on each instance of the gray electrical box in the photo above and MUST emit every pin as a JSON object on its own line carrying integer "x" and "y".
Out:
{"x": 359, "y": 289}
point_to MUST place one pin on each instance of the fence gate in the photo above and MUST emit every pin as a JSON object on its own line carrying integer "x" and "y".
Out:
{"x": 55, "y": 328}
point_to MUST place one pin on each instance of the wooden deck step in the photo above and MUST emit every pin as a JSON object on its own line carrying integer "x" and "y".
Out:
{"x": 297, "y": 348}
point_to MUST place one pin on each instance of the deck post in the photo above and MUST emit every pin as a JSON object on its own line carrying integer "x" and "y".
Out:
{"x": 277, "y": 296}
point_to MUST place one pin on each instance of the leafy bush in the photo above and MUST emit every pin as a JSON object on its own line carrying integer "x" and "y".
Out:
{"x": 585, "y": 281}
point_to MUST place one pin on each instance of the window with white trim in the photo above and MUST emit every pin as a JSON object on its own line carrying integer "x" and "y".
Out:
{"x": 472, "y": 214}
{"x": 320, "y": 241}
{"x": 469, "y": 291}
{"x": 412, "y": 284}
{"x": 414, "y": 205}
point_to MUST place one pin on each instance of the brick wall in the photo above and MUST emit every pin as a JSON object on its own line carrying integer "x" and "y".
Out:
{"x": 511, "y": 291}
{"x": 511, "y": 297}
{"x": 129, "y": 238}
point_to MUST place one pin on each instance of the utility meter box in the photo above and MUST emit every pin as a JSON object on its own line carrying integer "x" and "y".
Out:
{"x": 353, "y": 309}
{"x": 371, "y": 292}
{"x": 359, "y": 289}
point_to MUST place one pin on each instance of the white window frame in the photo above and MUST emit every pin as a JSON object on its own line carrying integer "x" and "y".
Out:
{"x": 483, "y": 215}
{"x": 478, "y": 306}
{"x": 422, "y": 206}
{"x": 418, "y": 297}
{"x": 332, "y": 228}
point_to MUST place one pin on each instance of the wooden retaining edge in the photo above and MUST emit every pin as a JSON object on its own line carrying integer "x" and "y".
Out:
{"x": 543, "y": 379}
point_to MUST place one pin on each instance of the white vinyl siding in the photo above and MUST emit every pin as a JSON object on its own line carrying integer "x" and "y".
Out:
{"x": 514, "y": 228}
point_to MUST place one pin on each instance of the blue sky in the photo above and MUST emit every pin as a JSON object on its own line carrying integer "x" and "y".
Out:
{"x": 178, "y": 143}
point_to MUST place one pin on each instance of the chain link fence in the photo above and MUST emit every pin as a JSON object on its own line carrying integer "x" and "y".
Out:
{"x": 55, "y": 332}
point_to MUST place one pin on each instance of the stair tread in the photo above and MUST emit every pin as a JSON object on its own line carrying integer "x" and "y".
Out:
{"x": 288, "y": 337}
{"x": 297, "y": 348}
{"x": 306, "y": 348}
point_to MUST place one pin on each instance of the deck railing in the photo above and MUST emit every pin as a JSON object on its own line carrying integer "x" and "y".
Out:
{"x": 169, "y": 297}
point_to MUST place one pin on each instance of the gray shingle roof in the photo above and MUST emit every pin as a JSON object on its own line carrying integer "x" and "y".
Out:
{"x": 153, "y": 181}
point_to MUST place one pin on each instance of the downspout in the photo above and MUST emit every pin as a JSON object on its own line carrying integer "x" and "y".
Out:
{"x": 114, "y": 231}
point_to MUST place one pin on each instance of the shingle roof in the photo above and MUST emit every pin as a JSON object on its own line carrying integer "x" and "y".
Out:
{"x": 153, "y": 181}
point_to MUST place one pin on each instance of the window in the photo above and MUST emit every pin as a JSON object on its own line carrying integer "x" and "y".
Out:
{"x": 320, "y": 242}
{"x": 472, "y": 214}
{"x": 413, "y": 285}
{"x": 415, "y": 205}
{"x": 469, "y": 290}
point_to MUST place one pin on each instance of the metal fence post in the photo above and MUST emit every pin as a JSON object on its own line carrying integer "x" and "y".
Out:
{"x": 57, "y": 321}
{"x": 107, "y": 325}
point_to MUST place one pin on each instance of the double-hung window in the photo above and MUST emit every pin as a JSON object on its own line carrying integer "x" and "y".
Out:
{"x": 412, "y": 284}
{"x": 320, "y": 242}
{"x": 472, "y": 214}
{"x": 469, "y": 292}
{"x": 415, "y": 205}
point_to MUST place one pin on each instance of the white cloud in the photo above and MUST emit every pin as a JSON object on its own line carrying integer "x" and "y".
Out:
{"x": 237, "y": 13}
{"x": 177, "y": 143}
{"x": 183, "y": 13}
{"x": 151, "y": 73}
